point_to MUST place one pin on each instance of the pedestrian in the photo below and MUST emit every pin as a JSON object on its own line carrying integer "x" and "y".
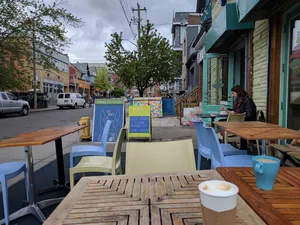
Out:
{"x": 242, "y": 104}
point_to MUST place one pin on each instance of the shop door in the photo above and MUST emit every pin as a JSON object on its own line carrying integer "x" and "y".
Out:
{"x": 217, "y": 82}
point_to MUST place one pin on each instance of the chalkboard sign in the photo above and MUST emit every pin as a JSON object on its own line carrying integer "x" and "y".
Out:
{"x": 139, "y": 122}
{"x": 108, "y": 109}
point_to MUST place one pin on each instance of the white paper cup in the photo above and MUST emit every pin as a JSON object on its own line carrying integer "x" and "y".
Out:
{"x": 218, "y": 201}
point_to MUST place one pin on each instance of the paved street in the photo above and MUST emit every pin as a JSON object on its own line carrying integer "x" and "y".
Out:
{"x": 11, "y": 126}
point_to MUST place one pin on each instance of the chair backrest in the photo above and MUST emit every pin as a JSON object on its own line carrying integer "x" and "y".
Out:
{"x": 201, "y": 138}
{"x": 212, "y": 142}
{"x": 118, "y": 149}
{"x": 160, "y": 157}
{"x": 236, "y": 117}
{"x": 260, "y": 116}
{"x": 105, "y": 133}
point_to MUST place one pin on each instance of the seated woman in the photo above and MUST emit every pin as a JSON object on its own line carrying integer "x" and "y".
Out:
{"x": 242, "y": 104}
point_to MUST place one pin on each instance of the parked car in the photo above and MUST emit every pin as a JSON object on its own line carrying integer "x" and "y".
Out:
{"x": 71, "y": 100}
{"x": 10, "y": 104}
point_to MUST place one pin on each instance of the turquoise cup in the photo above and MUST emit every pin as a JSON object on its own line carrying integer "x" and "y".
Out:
{"x": 266, "y": 169}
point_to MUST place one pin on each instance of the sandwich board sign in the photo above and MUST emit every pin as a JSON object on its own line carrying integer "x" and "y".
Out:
{"x": 140, "y": 122}
{"x": 108, "y": 109}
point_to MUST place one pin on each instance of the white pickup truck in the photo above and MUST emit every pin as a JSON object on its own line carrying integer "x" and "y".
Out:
{"x": 10, "y": 104}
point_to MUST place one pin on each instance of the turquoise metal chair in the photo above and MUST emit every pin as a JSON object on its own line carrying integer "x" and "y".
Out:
{"x": 205, "y": 151}
{"x": 218, "y": 158}
{"x": 91, "y": 150}
{"x": 8, "y": 171}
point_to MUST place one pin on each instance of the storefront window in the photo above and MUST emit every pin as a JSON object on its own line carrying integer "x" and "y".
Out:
{"x": 295, "y": 64}
{"x": 217, "y": 82}
{"x": 293, "y": 116}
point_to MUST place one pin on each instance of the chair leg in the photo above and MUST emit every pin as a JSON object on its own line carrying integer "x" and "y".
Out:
{"x": 71, "y": 179}
{"x": 5, "y": 200}
{"x": 199, "y": 161}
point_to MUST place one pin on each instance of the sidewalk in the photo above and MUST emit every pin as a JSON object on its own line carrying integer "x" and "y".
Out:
{"x": 50, "y": 108}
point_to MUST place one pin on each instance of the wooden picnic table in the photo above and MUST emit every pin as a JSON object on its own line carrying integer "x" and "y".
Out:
{"x": 281, "y": 206}
{"x": 28, "y": 140}
{"x": 254, "y": 124}
{"x": 170, "y": 198}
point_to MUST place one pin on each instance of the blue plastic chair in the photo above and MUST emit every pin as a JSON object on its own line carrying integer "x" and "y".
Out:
{"x": 8, "y": 171}
{"x": 218, "y": 159}
{"x": 91, "y": 150}
{"x": 204, "y": 151}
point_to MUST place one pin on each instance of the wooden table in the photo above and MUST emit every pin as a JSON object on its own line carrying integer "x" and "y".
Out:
{"x": 254, "y": 124}
{"x": 171, "y": 198}
{"x": 264, "y": 133}
{"x": 280, "y": 206}
{"x": 212, "y": 116}
{"x": 28, "y": 140}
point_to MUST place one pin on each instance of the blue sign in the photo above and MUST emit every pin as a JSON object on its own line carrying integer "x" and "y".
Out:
{"x": 104, "y": 111}
{"x": 139, "y": 124}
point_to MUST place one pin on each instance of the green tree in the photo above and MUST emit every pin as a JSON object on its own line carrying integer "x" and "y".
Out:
{"x": 21, "y": 22}
{"x": 153, "y": 63}
{"x": 101, "y": 81}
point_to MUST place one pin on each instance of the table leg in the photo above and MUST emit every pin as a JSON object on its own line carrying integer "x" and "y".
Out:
{"x": 263, "y": 147}
{"x": 212, "y": 122}
{"x": 32, "y": 208}
{"x": 60, "y": 183}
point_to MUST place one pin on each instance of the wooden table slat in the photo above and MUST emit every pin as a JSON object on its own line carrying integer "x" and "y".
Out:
{"x": 157, "y": 199}
{"x": 276, "y": 206}
{"x": 252, "y": 124}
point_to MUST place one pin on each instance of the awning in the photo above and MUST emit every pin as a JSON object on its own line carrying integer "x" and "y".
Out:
{"x": 253, "y": 10}
{"x": 223, "y": 29}
{"x": 191, "y": 59}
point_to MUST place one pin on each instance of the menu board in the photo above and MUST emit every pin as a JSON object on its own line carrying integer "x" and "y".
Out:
{"x": 108, "y": 109}
{"x": 139, "y": 122}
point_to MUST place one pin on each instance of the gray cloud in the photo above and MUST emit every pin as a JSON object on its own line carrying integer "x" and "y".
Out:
{"x": 103, "y": 17}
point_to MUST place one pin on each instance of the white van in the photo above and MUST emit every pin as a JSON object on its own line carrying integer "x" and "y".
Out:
{"x": 71, "y": 100}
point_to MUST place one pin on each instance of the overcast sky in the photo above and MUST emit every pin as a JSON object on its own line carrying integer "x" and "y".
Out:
{"x": 103, "y": 17}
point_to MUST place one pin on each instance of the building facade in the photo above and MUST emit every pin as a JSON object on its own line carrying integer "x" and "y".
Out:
{"x": 54, "y": 81}
{"x": 255, "y": 44}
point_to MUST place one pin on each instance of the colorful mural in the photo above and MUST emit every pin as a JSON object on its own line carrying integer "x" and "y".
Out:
{"x": 155, "y": 105}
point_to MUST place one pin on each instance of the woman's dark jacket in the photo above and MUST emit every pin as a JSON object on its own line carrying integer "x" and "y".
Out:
{"x": 245, "y": 105}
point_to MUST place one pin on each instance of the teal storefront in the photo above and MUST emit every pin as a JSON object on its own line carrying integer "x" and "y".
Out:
{"x": 223, "y": 64}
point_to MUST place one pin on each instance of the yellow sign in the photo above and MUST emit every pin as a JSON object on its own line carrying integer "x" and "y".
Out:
{"x": 140, "y": 125}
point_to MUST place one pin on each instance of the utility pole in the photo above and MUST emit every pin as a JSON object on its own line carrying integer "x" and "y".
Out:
{"x": 34, "y": 69}
{"x": 139, "y": 17}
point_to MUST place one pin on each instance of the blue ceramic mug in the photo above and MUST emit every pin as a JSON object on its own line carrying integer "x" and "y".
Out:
{"x": 266, "y": 169}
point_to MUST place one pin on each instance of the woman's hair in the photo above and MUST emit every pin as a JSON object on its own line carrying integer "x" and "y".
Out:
{"x": 239, "y": 90}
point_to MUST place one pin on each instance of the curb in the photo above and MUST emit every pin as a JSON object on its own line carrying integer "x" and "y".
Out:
{"x": 42, "y": 110}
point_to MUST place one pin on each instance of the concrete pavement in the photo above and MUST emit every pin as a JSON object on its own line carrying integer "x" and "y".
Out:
{"x": 12, "y": 126}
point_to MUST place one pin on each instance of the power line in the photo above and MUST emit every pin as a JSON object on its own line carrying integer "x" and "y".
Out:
{"x": 126, "y": 17}
{"x": 127, "y": 7}
{"x": 121, "y": 21}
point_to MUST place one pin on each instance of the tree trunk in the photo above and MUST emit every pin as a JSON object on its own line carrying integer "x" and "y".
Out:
{"x": 141, "y": 92}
